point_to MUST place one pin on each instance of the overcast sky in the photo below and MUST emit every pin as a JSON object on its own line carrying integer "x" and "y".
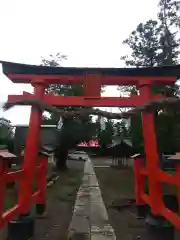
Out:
{"x": 89, "y": 32}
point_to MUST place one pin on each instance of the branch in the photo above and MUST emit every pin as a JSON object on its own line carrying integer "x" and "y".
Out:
{"x": 150, "y": 106}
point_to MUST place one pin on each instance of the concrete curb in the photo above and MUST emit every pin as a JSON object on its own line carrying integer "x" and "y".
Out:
{"x": 90, "y": 218}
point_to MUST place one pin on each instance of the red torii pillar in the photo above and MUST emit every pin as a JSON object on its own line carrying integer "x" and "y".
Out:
{"x": 31, "y": 152}
{"x": 151, "y": 150}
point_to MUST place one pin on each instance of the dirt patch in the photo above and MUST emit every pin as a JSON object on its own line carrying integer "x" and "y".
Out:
{"x": 61, "y": 198}
{"x": 118, "y": 194}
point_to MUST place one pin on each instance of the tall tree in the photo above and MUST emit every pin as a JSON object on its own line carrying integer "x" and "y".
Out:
{"x": 156, "y": 43}
{"x": 169, "y": 13}
{"x": 169, "y": 20}
{"x": 167, "y": 124}
{"x": 73, "y": 130}
{"x": 144, "y": 45}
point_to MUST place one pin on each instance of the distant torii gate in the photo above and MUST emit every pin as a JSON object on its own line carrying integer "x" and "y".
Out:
{"x": 40, "y": 77}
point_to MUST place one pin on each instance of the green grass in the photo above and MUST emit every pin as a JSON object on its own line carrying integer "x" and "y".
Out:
{"x": 114, "y": 182}
{"x": 69, "y": 183}
{"x": 120, "y": 183}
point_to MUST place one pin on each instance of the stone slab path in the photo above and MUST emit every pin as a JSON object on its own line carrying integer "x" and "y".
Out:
{"x": 90, "y": 218}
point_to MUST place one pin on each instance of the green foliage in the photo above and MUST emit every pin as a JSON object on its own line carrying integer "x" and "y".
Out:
{"x": 169, "y": 21}
{"x": 73, "y": 130}
{"x": 144, "y": 45}
{"x": 136, "y": 134}
{"x": 105, "y": 136}
{"x": 156, "y": 43}
{"x": 6, "y": 134}
{"x": 76, "y": 129}
{"x": 169, "y": 13}
{"x": 54, "y": 60}
{"x": 121, "y": 129}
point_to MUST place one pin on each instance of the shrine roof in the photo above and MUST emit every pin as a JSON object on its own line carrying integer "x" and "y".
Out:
{"x": 19, "y": 68}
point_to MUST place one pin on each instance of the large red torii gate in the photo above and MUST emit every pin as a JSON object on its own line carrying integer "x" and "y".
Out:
{"x": 92, "y": 79}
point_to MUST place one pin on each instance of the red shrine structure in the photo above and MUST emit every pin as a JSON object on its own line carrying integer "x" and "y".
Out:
{"x": 92, "y": 79}
{"x": 91, "y": 143}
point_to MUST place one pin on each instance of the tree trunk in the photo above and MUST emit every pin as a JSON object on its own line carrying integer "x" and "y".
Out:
{"x": 61, "y": 155}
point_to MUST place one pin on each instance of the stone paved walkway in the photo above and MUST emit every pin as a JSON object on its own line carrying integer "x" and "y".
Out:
{"x": 90, "y": 218}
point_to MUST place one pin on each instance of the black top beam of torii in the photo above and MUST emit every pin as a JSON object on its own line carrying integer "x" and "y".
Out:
{"x": 18, "y": 68}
